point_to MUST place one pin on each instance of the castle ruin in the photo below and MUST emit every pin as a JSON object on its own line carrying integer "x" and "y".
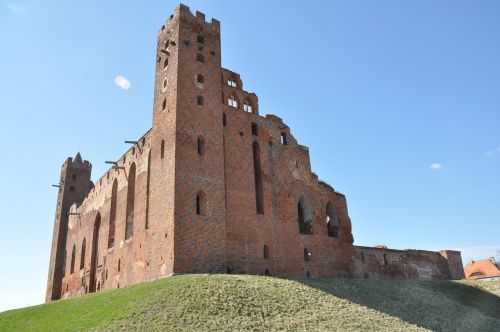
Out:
{"x": 212, "y": 187}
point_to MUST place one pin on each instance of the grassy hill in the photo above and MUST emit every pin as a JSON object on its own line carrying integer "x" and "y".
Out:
{"x": 234, "y": 302}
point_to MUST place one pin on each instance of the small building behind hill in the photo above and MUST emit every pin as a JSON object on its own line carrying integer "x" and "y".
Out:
{"x": 482, "y": 269}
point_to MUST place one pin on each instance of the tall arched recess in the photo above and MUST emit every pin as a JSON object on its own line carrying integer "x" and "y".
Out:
{"x": 259, "y": 192}
{"x": 129, "y": 221}
{"x": 94, "y": 259}
{"x": 332, "y": 220}
{"x": 112, "y": 214}
{"x": 304, "y": 216}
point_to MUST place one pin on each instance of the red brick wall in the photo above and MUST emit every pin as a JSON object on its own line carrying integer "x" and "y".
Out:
{"x": 415, "y": 264}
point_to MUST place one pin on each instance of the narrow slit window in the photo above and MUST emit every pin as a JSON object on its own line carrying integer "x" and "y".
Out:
{"x": 200, "y": 40}
{"x": 200, "y": 79}
{"x": 201, "y": 145}
{"x": 259, "y": 192}
{"x": 82, "y": 255}
{"x": 224, "y": 120}
{"x": 255, "y": 129}
{"x": 200, "y": 58}
{"x": 162, "y": 149}
{"x": 164, "y": 105}
{"x": 266, "y": 252}
{"x": 129, "y": 217}
{"x": 199, "y": 100}
{"x": 201, "y": 203}
{"x": 73, "y": 254}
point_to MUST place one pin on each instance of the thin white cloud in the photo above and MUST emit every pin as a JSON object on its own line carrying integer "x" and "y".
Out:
{"x": 15, "y": 8}
{"x": 436, "y": 166}
{"x": 492, "y": 152}
{"x": 122, "y": 82}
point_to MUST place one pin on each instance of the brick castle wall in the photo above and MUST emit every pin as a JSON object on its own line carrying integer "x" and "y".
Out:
{"x": 217, "y": 188}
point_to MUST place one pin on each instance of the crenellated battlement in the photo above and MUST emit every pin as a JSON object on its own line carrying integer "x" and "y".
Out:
{"x": 77, "y": 162}
{"x": 182, "y": 11}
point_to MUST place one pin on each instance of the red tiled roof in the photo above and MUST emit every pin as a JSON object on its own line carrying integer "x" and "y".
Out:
{"x": 484, "y": 268}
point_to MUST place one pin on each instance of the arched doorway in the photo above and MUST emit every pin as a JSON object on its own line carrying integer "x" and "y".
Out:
{"x": 304, "y": 215}
{"x": 95, "y": 254}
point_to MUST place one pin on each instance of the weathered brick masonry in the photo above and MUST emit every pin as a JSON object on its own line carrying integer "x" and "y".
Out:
{"x": 211, "y": 187}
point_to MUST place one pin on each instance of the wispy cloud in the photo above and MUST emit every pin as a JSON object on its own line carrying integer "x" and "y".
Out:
{"x": 436, "y": 166}
{"x": 492, "y": 152}
{"x": 122, "y": 82}
{"x": 15, "y": 8}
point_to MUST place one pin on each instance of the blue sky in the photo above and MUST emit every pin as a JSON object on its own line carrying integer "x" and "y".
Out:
{"x": 399, "y": 102}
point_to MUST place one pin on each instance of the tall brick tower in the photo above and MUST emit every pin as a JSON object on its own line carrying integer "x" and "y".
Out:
{"x": 187, "y": 123}
{"x": 74, "y": 186}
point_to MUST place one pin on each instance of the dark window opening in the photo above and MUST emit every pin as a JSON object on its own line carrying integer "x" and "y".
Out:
{"x": 307, "y": 255}
{"x": 283, "y": 139}
{"x": 165, "y": 63}
{"x": 201, "y": 145}
{"x": 200, "y": 58}
{"x": 71, "y": 188}
{"x": 165, "y": 82}
{"x": 146, "y": 224}
{"x": 112, "y": 214}
{"x": 94, "y": 258}
{"x": 199, "y": 100}
{"x": 332, "y": 221}
{"x": 267, "y": 272}
{"x": 200, "y": 78}
{"x": 259, "y": 192}
{"x": 266, "y": 252}
{"x": 129, "y": 220}
{"x": 200, "y": 39}
{"x": 385, "y": 260}
{"x": 119, "y": 265}
{"x": 164, "y": 104}
{"x": 201, "y": 203}
{"x": 73, "y": 176}
{"x": 304, "y": 216}
{"x": 224, "y": 120}
{"x": 162, "y": 149}
{"x": 64, "y": 263}
{"x": 72, "y": 266}
{"x": 255, "y": 129}
{"x": 82, "y": 255}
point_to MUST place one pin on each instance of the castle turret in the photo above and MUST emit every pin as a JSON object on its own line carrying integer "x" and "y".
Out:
{"x": 74, "y": 186}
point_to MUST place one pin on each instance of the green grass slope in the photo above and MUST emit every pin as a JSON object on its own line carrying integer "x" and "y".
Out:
{"x": 235, "y": 303}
